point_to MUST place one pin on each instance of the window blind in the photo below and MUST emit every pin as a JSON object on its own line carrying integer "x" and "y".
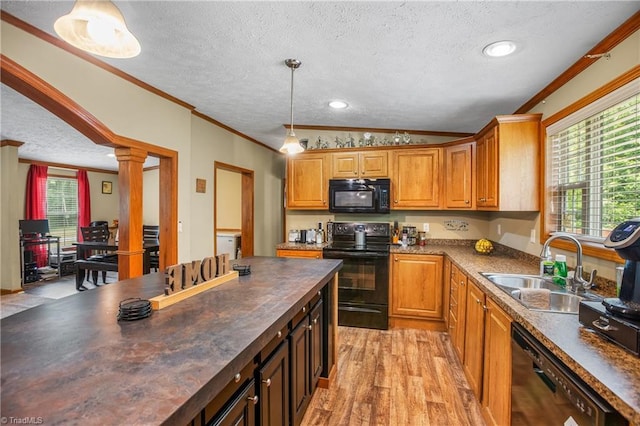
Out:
{"x": 593, "y": 166}
{"x": 62, "y": 209}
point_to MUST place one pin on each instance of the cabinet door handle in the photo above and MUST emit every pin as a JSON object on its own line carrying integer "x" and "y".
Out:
{"x": 267, "y": 382}
{"x": 310, "y": 327}
{"x": 304, "y": 309}
{"x": 485, "y": 308}
{"x": 363, "y": 172}
{"x": 315, "y": 320}
{"x": 253, "y": 399}
{"x": 466, "y": 201}
{"x": 355, "y": 172}
{"x": 478, "y": 301}
{"x": 319, "y": 293}
{"x": 395, "y": 201}
{"x": 395, "y": 259}
{"x": 279, "y": 334}
{"x": 237, "y": 377}
{"x": 462, "y": 283}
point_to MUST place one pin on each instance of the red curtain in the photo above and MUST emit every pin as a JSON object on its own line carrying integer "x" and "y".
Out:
{"x": 84, "y": 201}
{"x": 36, "y": 204}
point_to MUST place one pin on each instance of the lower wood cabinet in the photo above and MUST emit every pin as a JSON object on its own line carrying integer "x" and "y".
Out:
{"x": 316, "y": 317}
{"x": 241, "y": 411}
{"x": 458, "y": 310}
{"x": 274, "y": 388}
{"x": 416, "y": 290}
{"x": 306, "y": 254}
{"x": 474, "y": 338}
{"x": 496, "y": 382}
{"x": 300, "y": 370}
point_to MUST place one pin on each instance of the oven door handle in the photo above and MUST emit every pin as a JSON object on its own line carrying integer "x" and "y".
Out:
{"x": 351, "y": 255}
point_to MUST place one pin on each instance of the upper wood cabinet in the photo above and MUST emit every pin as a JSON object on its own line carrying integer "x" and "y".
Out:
{"x": 304, "y": 254}
{"x": 458, "y": 171}
{"x": 369, "y": 164}
{"x": 415, "y": 181}
{"x": 308, "y": 181}
{"x": 508, "y": 164}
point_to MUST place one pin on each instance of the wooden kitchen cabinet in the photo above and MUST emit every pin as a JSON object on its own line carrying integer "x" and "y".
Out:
{"x": 458, "y": 177}
{"x": 368, "y": 164}
{"x": 507, "y": 164}
{"x": 474, "y": 338}
{"x": 457, "y": 310}
{"x": 417, "y": 291}
{"x": 274, "y": 387}
{"x": 305, "y": 254}
{"x": 308, "y": 181}
{"x": 241, "y": 411}
{"x": 415, "y": 182}
{"x": 496, "y": 383}
{"x": 300, "y": 370}
{"x": 316, "y": 320}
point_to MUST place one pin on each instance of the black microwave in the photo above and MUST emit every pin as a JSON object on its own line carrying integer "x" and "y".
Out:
{"x": 359, "y": 195}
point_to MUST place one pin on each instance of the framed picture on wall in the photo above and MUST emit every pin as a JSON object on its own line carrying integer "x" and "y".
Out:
{"x": 106, "y": 187}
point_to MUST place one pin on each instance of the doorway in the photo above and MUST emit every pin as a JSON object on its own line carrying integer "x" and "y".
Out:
{"x": 233, "y": 205}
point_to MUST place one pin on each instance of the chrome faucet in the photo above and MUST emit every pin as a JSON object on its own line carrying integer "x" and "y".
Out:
{"x": 578, "y": 283}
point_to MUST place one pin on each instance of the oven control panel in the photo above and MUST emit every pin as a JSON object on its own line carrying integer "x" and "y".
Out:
{"x": 372, "y": 229}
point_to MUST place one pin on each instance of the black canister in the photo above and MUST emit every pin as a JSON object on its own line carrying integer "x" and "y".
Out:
{"x": 303, "y": 236}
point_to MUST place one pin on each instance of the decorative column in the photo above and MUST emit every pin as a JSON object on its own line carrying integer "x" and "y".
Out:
{"x": 130, "y": 251}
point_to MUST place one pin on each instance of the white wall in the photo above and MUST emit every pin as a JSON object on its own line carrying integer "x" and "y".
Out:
{"x": 9, "y": 216}
{"x": 151, "y": 197}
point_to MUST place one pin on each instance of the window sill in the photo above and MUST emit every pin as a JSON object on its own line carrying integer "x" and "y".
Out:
{"x": 589, "y": 249}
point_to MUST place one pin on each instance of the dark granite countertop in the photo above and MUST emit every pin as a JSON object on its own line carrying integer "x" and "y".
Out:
{"x": 609, "y": 370}
{"x": 72, "y": 362}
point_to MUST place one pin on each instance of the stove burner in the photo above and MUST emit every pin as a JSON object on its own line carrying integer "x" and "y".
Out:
{"x": 626, "y": 309}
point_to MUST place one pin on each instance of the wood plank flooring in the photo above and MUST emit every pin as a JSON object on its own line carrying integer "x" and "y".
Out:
{"x": 395, "y": 377}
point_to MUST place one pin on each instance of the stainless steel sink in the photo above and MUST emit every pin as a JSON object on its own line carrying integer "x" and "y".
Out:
{"x": 560, "y": 301}
{"x": 522, "y": 281}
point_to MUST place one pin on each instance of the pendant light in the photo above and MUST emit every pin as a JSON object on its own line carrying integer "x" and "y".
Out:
{"x": 98, "y": 27}
{"x": 291, "y": 143}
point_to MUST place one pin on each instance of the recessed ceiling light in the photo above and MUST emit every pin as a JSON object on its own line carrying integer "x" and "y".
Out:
{"x": 499, "y": 48}
{"x": 338, "y": 104}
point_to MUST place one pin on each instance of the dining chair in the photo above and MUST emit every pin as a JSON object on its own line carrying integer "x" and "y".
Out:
{"x": 151, "y": 233}
{"x": 100, "y": 234}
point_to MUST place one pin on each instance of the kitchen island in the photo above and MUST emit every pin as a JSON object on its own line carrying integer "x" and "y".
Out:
{"x": 72, "y": 362}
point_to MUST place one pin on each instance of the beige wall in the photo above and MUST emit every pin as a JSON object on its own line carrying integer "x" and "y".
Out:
{"x": 229, "y": 200}
{"x": 136, "y": 113}
{"x": 211, "y": 143}
{"x": 151, "y": 197}
{"x": 9, "y": 216}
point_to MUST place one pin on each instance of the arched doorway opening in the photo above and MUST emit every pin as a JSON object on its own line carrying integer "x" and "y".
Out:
{"x": 130, "y": 153}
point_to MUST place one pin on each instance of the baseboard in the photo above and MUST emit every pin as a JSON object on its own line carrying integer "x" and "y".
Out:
{"x": 5, "y": 291}
{"x": 324, "y": 382}
{"x": 420, "y": 324}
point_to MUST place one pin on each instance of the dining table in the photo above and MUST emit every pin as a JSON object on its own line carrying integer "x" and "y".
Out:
{"x": 86, "y": 247}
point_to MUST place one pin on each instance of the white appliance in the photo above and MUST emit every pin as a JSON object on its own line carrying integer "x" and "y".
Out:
{"x": 228, "y": 242}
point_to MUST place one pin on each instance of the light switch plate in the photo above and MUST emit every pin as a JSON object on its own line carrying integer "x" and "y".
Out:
{"x": 425, "y": 227}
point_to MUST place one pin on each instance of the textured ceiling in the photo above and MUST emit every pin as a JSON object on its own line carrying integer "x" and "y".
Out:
{"x": 399, "y": 65}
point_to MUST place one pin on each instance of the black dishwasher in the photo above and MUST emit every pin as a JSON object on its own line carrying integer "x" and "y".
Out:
{"x": 544, "y": 391}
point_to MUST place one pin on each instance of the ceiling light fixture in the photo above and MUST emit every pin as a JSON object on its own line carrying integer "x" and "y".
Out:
{"x": 338, "y": 104}
{"x": 291, "y": 144}
{"x": 98, "y": 27}
{"x": 499, "y": 48}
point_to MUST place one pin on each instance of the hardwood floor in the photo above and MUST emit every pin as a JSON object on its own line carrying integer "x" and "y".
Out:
{"x": 395, "y": 377}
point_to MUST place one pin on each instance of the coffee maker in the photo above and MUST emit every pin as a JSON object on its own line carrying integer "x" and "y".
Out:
{"x": 625, "y": 240}
{"x": 618, "y": 319}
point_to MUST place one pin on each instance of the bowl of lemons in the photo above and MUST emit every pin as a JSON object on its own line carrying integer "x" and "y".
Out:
{"x": 484, "y": 246}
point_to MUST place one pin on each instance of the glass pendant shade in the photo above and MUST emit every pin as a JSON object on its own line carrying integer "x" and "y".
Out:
{"x": 98, "y": 27}
{"x": 291, "y": 144}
